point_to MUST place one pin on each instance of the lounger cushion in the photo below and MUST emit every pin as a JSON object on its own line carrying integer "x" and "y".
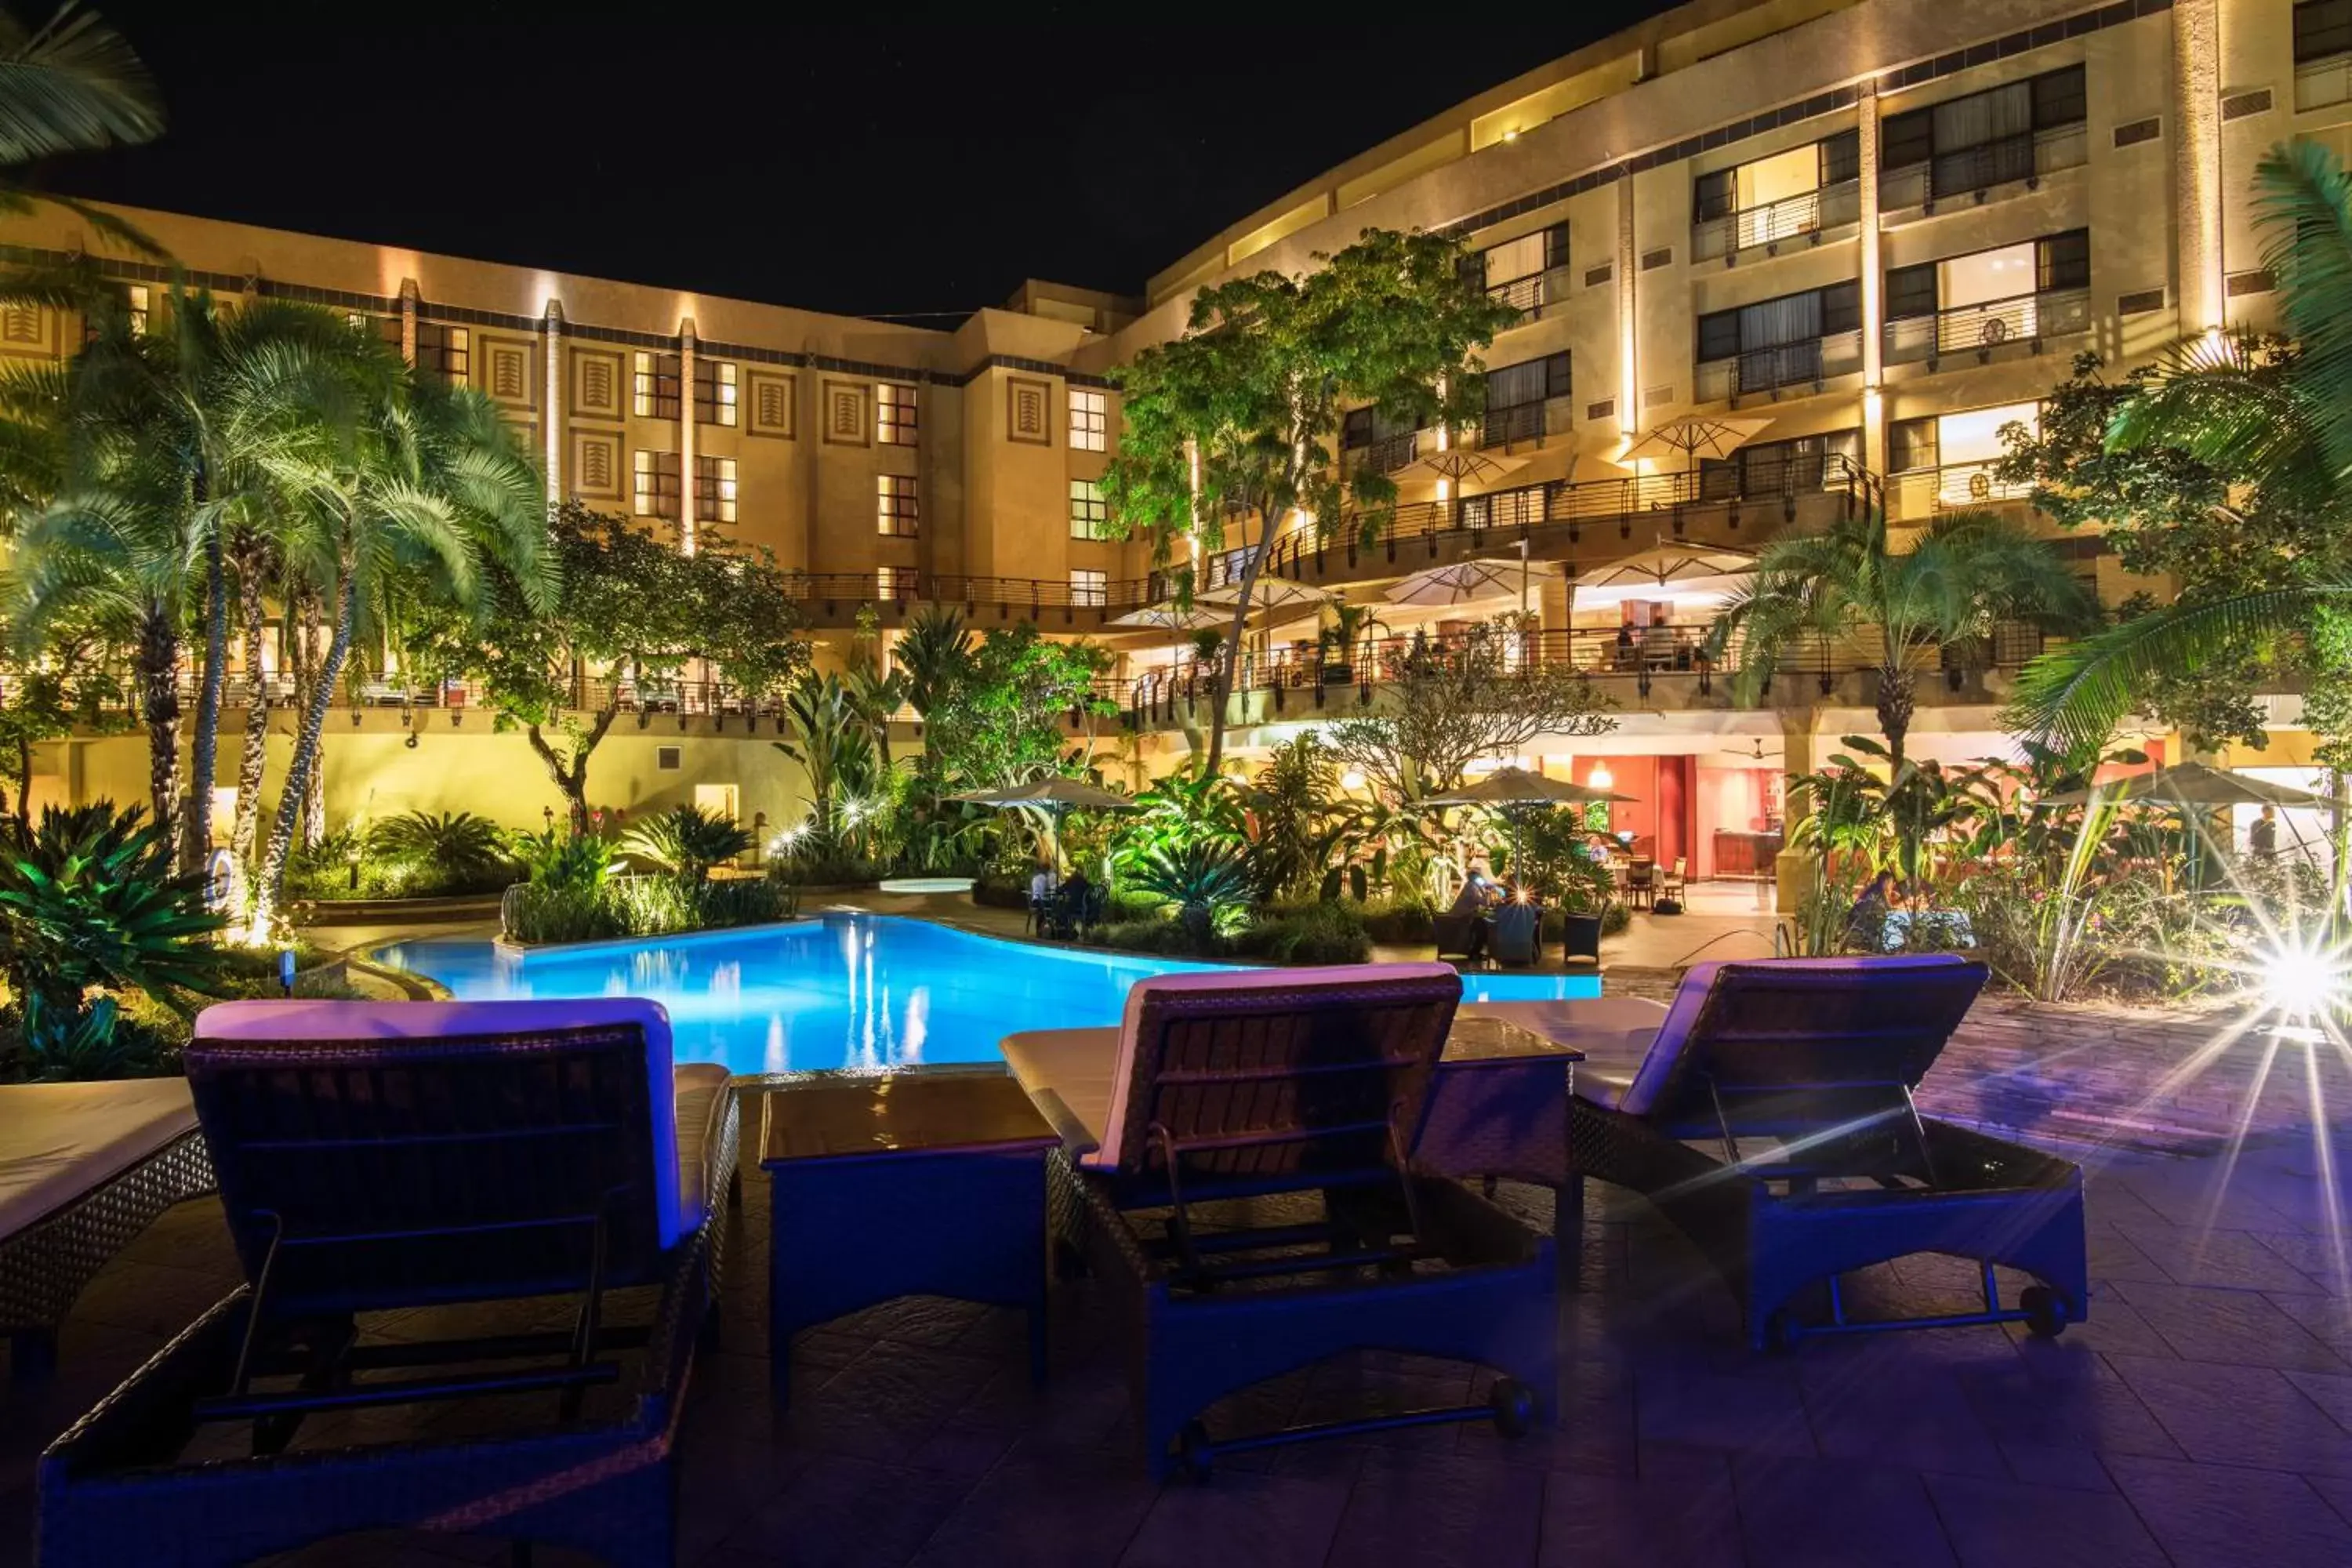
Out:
{"x": 295, "y": 1021}
{"x": 701, "y": 1089}
{"x": 61, "y": 1142}
{"x": 1076, "y": 1066}
{"x": 1613, "y": 1032}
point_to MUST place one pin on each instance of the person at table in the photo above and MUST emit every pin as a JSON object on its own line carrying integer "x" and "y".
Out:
{"x": 2262, "y": 837}
{"x": 1071, "y": 906}
{"x": 1478, "y": 892}
{"x": 1865, "y": 923}
{"x": 1626, "y": 646}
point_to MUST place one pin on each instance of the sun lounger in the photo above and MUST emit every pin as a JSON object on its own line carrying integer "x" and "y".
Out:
{"x": 1233, "y": 1165}
{"x": 1769, "y": 1113}
{"x": 84, "y": 1168}
{"x": 391, "y": 1157}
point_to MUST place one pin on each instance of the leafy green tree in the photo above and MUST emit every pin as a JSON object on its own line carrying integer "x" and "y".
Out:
{"x": 1962, "y": 574}
{"x": 1000, "y": 722}
{"x": 1448, "y": 706}
{"x": 934, "y": 655}
{"x": 1239, "y": 417}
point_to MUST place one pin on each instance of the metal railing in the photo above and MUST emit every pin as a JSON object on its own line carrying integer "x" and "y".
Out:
{"x": 1772, "y": 222}
{"x": 1509, "y": 427}
{"x": 2322, "y": 82}
{"x": 1535, "y": 293}
{"x": 1979, "y": 328}
{"x": 2026, "y": 156}
{"x": 1498, "y": 519}
{"x": 1805, "y": 365}
{"x": 1923, "y": 492}
{"x": 1384, "y": 456}
{"x": 909, "y": 584}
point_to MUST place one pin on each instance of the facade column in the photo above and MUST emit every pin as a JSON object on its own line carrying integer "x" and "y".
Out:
{"x": 552, "y": 432}
{"x": 1873, "y": 288}
{"x": 408, "y": 295}
{"x": 1628, "y": 332}
{"x": 1793, "y": 873}
{"x": 686, "y": 496}
{"x": 2197, "y": 161}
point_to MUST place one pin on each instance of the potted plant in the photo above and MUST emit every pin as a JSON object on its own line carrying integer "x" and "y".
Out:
{"x": 1349, "y": 624}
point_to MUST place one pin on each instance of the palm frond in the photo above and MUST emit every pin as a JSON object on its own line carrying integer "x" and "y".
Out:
{"x": 74, "y": 86}
{"x": 2303, "y": 203}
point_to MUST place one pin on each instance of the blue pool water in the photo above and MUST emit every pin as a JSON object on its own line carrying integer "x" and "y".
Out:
{"x": 859, "y": 992}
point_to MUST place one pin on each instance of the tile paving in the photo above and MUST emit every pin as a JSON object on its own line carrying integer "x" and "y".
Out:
{"x": 2203, "y": 1417}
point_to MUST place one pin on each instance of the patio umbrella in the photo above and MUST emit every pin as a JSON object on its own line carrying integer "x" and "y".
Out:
{"x": 1056, "y": 798}
{"x": 1271, "y": 593}
{"x": 1508, "y": 787}
{"x": 1461, "y": 465}
{"x": 1168, "y": 617}
{"x": 1464, "y": 580}
{"x": 1694, "y": 436}
{"x": 2194, "y": 785}
{"x": 1664, "y": 564}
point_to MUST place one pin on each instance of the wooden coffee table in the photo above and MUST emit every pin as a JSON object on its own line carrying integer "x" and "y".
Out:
{"x": 925, "y": 1183}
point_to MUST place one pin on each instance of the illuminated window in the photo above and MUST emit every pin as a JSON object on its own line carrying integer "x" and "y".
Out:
{"x": 1088, "y": 511}
{"x": 896, "y": 511}
{"x": 894, "y": 582}
{"x": 714, "y": 490}
{"x": 445, "y": 351}
{"x": 714, "y": 392}
{"x": 657, "y": 484}
{"x": 655, "y": 385}
{"x": 1089, "y": 419}
{"x": 1089, "y": 587}
{"x": 894, "y": 414}
{"x": 136, "y": 303}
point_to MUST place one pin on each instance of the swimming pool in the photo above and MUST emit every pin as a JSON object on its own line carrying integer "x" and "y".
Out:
{"x": 854, "y": 993}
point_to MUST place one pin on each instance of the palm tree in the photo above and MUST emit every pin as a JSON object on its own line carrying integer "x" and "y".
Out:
{"x": 1962, "y": 574}
{"x": 830, "y": 740}
{"x": 934, "y": 655}
{"x": 71, "y": 85}
{"x": 435, "y": 482}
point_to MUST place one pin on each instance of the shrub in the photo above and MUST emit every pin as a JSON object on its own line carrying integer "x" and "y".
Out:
{"x": 541, "y": 913}
{"x": 1399, "y": 922}
{"x": 1209, "y": 883}
{"x": 1158, "y": 935}
{"x": 687, "y": 841}
{"x": 557, "y": 858}
{"x": 1326, "y": 931}
{"x": 746, "y": 901}
{"x": 456, "y": 850}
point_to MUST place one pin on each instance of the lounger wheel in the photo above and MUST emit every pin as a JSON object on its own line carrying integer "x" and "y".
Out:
{"x": 1514, "y": 1406}
{"x": 1196, "y": 1454}
{"x": 2047, "y": 1312}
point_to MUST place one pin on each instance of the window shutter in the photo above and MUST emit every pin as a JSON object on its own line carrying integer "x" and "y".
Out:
{"x": 1911, "y": 444}
{"x": 1718, "y": 335}
{"x": 1842, "y": 308}
{"x": 1911, "y": 291}
{"x": 1556, "y": 374}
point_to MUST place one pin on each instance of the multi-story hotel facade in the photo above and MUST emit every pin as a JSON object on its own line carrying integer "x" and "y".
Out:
{"x": 1879, "y": 230}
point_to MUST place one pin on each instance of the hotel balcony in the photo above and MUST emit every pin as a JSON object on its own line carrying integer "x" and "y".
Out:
{"x": 1921, "y": 495}
{"x": 1982, "y": 172}
{"x": 1786, "y": 370}
{"x": 1534, "y": 296}
{"x": 2321, "y": 83}
{"x": 1808, "y": 217}
{"x": 2012, "y": 327}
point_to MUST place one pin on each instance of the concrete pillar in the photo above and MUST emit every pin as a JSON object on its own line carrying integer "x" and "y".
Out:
{"x": 1793, "y": 872}
{"x": 1629, "y": 334}
{"x": 408, "y": 295}
{"x": 2196, "y": 161}
{"x": 552, "y": 416}
{"x": 687, "y": 500}
{"x": 1874, "y": 290}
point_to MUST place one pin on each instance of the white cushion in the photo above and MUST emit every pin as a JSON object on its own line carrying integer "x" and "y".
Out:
{"x": 1077, "y": 1065}
{"x": 298, "y": 1021}
{"x": 61, "y": 1141}
{"x": 701, "y": 1089}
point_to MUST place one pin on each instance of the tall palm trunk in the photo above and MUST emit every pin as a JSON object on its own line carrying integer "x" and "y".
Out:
{"x": 204, "y": 764}
{"x": 254, "y": 759}
{"x": 1897, "y": 700}
{"x": 314, "y": 797}
{"x": 159, "y": 701}
{"x": 292, "y": 804}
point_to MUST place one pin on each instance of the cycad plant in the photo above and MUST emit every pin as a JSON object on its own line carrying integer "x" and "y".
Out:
{"x": 87, "y": 896}
{"x": 463, "y": 848}
{"x": 1208, "y": 883}
{"x": 1957, "y": 578}
{"x": 687, "y": 841}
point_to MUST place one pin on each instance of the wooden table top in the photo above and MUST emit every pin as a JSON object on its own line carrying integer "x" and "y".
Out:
{"x": 899, "y": 1113}
{"x": 1476, "y": 1038}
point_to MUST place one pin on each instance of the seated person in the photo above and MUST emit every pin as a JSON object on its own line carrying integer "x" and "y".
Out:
{"x": 1072, "y": 907}
{"x": 1478, "y": 892}
{"x": 1625, "y": 646}
{"x": 1865, "y": 923}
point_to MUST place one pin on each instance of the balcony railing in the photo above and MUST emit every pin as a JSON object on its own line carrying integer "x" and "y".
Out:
{"x": 1535, "y": 294}
{"x": 1772, "y": 222}
{"x": 1803, "y": 366}
{"x": 1384, "y": 456}
{"x": 1921, "y": 493}
{"x": 1536, "y": 512}
{"x": 2026, "y": 156}
{"x": 2024, "y": 319}
{"x": 1509, "y": 427}
{"x": 2319, "y": 83}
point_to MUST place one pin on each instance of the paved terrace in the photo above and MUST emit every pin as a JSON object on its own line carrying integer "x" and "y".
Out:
{"x": 2203, "y": 1417}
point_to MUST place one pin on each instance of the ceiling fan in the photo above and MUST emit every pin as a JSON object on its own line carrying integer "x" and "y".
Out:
{"x": 1759, "y": 755}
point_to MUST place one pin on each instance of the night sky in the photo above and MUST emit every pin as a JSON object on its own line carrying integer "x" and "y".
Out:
{"x": 921, "y": 167}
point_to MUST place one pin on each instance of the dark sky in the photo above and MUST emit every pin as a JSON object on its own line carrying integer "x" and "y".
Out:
{"x": 923, "y": 166}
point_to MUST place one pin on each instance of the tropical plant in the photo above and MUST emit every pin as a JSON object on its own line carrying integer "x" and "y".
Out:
{"x": 1961, "y": 576}
{"x": 1207, "y": 882}
{"x": 831, "y": 741}
{"x": 687, "y": 841}
{"x": 1298, "y": 818}
{"x": 460, "y": 845}
{"x": 1449, "y": 706}
{"x": 1181, "y": 811}
{"x": 1238, "y": 418}
{"x": 1001, "y": 723}
{"x": 934, "y": 654}
{"x": 553, "y": 858}
{"x": 88, "y": 897}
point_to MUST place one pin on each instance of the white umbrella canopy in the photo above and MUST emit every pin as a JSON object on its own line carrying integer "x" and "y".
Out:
{"x": 1056, "y": 798}
{"x": 1466, "y": 580}
{"x": 1519, "y": 786}
{"x": 1271, "y": 593}
{"x": 1694, "y": 436}
{"x": 1664, "y": 563}
{"x": 2194, "y": 785}
{"x": 1462, "y": 465}
{"x": 1168, "y": 617}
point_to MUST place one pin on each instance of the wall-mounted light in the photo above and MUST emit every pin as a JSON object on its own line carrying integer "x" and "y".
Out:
{"x": 1601, "y": 777}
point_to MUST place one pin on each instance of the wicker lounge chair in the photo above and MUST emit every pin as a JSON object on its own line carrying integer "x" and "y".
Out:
{"x": 84, "y": 1168}
{"x": 1233, "y": 1165}
{"x": 418, "y": 1155}
{"x": 1797, "y": 1076}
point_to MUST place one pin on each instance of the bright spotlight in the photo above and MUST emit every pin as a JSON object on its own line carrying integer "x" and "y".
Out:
{"x": 2300, "y": 981}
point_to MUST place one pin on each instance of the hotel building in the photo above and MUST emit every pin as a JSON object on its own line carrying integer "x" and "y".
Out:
{"x": 1880, "y": 229}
